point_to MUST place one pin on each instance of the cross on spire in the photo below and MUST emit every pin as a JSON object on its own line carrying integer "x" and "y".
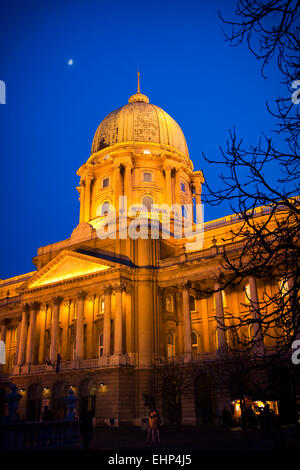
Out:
{"x": 138, "y": 84}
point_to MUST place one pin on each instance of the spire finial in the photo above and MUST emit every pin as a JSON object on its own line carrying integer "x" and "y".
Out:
{"x": 138, "y": 84}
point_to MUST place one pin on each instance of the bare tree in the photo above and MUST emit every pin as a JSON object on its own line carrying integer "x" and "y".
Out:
{"x": 264, "y": 175}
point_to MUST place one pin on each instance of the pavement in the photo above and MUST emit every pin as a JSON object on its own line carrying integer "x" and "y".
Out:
{"x": 206, "y": 438}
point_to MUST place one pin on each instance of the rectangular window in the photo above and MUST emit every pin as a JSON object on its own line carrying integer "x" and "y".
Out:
{"x": 148, "y": 177}
{"x": 105, "y": 183}
{"x": 182, "y": 185}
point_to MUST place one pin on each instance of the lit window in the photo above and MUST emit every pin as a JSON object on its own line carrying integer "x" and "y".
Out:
{"x": 247, "y": 293}
{"x": 171, "y": 344}
{"x": 101, "y": 345}
{"x": 283, "y": 287}
{"x": 169, "y": 303}
{"x": 194, "y": 342}
{"x": 182, "y": 185}
{"x": 147, "y": 177}
{"x": 105, "y": 183}
{"x": 101, "y": 305}
{"x": 223, "y": 299}
{"x": 147, "y": 202}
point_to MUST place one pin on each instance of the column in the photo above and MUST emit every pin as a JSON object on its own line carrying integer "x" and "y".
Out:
{"x": 107, "y": 321}
{"x": 116, "y": 185}
{"x": 31, "y": 332}
{"x": 81, "y": 199}
{"x": 87, "y": 197}
{"x": 168, "y": 186}
{"x": 23, "y": 334}
{"x": 118, "y": 339}
{"x": 177, "y": 188}
{"x": 220, "y": 319}
{"x": 128, "y": 184}
{"x": 187, "y": 320}
{"x": 80, "y": 325}
{"x": 259, "y": 346}
{"x": 3, "y": 351}
{"x": 3, "y": 331}
{"x": 198, "y": 190}
{"x": 54, "y": 328}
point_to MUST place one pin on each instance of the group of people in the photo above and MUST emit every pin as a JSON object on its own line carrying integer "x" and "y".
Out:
{"x": 266, "y": 421}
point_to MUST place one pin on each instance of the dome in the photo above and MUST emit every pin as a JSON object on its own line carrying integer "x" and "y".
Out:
{"x": 139, "y": 121}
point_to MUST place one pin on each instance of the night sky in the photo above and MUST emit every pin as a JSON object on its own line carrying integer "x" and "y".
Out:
{"x": 53, "y": 108}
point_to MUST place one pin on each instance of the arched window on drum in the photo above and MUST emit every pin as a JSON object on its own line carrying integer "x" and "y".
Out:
{"x": 171, "y": 343}
{"x": 148, "y": 203}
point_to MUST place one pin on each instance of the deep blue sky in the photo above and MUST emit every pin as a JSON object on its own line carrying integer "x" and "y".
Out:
{"x": 53, "y": 110}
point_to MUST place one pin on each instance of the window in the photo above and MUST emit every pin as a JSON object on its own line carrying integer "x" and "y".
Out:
{"x": 182, "y": 186}
{"x": 171, "y": 344}
{"x": 192, "y": 303}
{"x": 283, "y": 287}
{"x": 147, "y": 202}
{"x": 247, "y": 293}
{"x": 101, "y": 345}
{"x": 183, "y": 211}
{"x": 169, "y": 303}
{"x": 105, "y": 209}
{"x": 105, "y": 183}
{"x": 101, "y": 305}
{"x": 224, "y": 300}
{"x": 148, "y": 177}
{"x": 194, "y": 342}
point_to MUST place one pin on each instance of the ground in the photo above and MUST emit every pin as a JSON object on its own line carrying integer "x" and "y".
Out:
{"x": 190, "y": 438}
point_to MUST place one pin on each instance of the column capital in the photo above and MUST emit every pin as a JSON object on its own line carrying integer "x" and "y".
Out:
{"x": 107, "y": 289}
{"x": 57, "y": 300}
{"x": 81, "y": 295}
{"x": 35, "y": 306}
{"x": 119, "y": 286}
{"x": 88, "y": 178}
{"x": 25, "y": 307}
{"x": 184, "y": 285}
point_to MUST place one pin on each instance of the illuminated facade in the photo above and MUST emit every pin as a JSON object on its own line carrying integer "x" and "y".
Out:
{"x": 112, "y": 307}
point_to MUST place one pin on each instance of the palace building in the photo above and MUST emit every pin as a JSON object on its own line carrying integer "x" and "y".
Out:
{"x": 102, "y": 314}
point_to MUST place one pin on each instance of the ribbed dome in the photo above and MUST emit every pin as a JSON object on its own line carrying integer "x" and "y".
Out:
{"x": 139, "y": 121}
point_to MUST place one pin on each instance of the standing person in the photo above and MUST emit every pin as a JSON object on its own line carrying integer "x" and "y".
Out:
{"x": 150, "y": 426}
{"x": 47, "y": 414}
{"x": 86, "y": 426}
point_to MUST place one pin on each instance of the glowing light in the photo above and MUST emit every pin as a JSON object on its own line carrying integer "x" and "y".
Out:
{"x": 147, "y": 152}
{"x": 70, "y": 62}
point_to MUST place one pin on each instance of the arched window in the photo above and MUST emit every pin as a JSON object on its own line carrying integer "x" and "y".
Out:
{"x": 171, "y": 344}
{"x": 101, "y": 305}
{"x": 101, "y": 344}
{"x": 105, "y": 208}
{"x": 148, "y": 202}
{"x": 169, "y": 303}
{"x": 195, "y": 338}
{"x": 192, "y": 303}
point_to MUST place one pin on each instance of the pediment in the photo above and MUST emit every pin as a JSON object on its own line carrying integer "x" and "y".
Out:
{"x": 66, "y": 265}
